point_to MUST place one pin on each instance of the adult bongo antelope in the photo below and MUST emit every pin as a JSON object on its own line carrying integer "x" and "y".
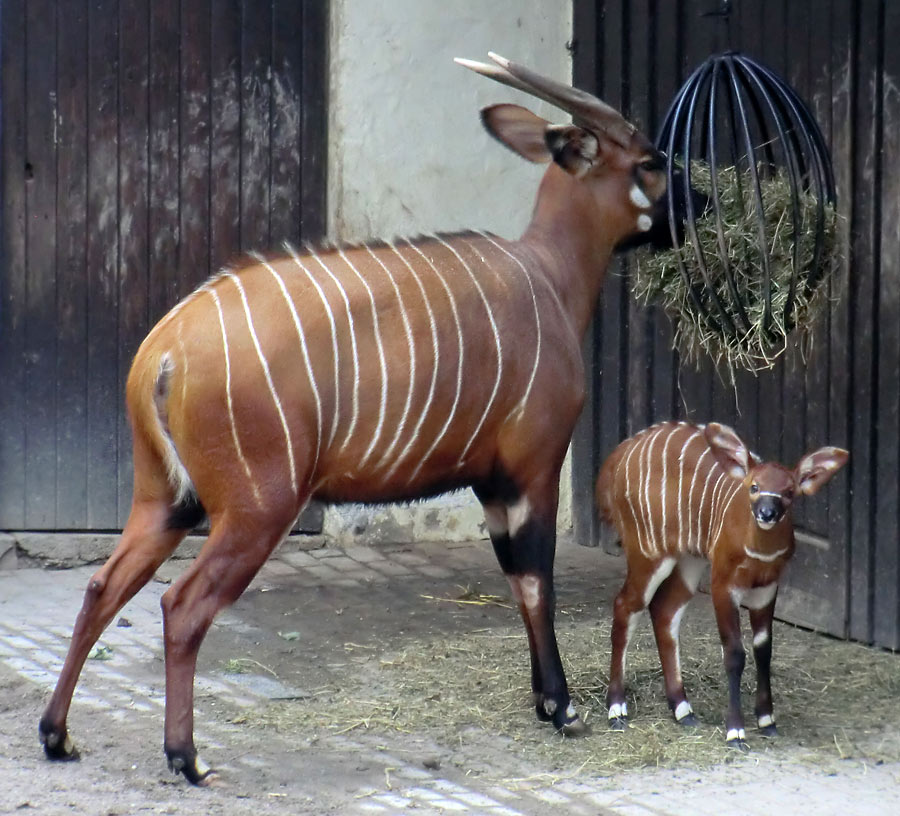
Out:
{"x": 375, "y": 373}
{"x": 680, "y": 495}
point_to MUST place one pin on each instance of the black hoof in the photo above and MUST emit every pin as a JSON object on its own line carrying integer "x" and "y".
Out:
{"x": 58, "y": 745}
{"x": 618, "y": 723}
{"x": 769, "y": 730}
{"x": 689, "y": 721}
{"x": 738, "y": 744}
{"x": 195, "y": 770}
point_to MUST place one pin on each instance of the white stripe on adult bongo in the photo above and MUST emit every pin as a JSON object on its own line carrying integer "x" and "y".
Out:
{"x": 520, "y": 406}
{"x": 412, "y": 361}
{"x": 382, "y": 410}
{"x": 460, "y": 357}
{"x": 268, "y": 375}
{"x": 496, "y": 332}
{"x": 435, "y": 343}
{"x": 334, "y": 344}
{"x": 354, "y": 417}
{"x": 228, "y": 401}
{"x": 301, "y": 335}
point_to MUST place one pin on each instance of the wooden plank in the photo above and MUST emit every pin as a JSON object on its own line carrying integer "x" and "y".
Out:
{"x": 613, "y": 314}
{"x": 102, "y": 264}
{"x": 286, "y": 123}
{"x": 886, "y": 623}
{"x": 665, "y": 81}
{"x": 255, "y": 123}
{"x": 863, "y": 306}
{"x": 225, "y": 150}
{"x": 586, "y": 437}
{"x": 314, "y": 124}
{"x": 818, "y": 433}
{"x": 194, "y": 146}
{"x": 12, "y": 272}
{"x": 164, "y": 151}
{"x": 40, "y": 202}
{"x": 71, "y": 281}
{"x": 842, "y": 72}
{"x": 134, "y": 247}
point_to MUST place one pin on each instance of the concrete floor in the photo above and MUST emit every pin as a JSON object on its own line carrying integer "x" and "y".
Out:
{"x": 331, "y": 596}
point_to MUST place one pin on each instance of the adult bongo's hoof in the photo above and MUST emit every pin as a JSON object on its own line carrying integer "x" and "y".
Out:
{"x": 195, "y": 770}
{"x": 769, "y": 730}
{"x": 58, "y": 745}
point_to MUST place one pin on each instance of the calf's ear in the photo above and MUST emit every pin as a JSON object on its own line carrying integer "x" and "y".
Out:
{"x": 730, "y": 452}
{"x": 815, "y": 469}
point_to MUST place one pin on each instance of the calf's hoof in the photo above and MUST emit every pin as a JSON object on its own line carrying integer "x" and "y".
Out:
{"x": 618, "y": 716}
{"x": 57, "y": 744}
{"x": 766, "y": 725}
{"x": 689, "y": 721}
{"x": 618, "y": 723}
{"x": 737, "y": 740}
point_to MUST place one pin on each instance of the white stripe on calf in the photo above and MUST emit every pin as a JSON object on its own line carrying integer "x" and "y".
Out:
{"x": 520, "y": 406}
{"x": 649, "y": 505}
{"x": 412, "y": 360}
{"x": 496, "y": 332}
{"x": 434, "y": 372}
{"x": 683, "y": 545}
{"x": 301, "y": 335}
{"x": 694, "y": 511}
{"x": 699, "y": 511}
{"x": 228, "y": 401}
{"x": 629, "y": 497}
{"x": 334, "y": 344}
{"x": 268, "y": 375}
{"x": 459, "y": 370}
{"x": 355, "y": 400}
{"x": 381, "y": 361}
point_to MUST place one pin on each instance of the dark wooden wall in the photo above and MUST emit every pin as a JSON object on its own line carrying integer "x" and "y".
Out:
{"x": 842, "y": 58}
{"x": 144, "y": 143}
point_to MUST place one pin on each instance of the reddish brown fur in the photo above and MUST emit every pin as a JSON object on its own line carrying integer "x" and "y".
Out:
{"x": 189, "y": 446}
{"x": 677, "y": 493}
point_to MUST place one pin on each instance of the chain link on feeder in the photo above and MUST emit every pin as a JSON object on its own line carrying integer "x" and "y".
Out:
{"x": 754, "y": 257}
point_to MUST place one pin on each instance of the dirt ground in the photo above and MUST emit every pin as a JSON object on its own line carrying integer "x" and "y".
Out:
{"x": 381, "y": 681}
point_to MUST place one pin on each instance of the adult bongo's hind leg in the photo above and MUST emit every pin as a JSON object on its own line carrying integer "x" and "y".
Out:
{"x": 146, "y": 542}
{"x": 239, "y": 543}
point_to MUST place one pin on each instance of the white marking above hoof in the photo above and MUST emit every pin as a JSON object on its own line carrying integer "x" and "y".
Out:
{"x": 618, "y": 711}
{"x": 760, "y": 638}
{"x": 735, "y": 734}
{"x": 683, "y": 710}
{"x": 766, "y": 720}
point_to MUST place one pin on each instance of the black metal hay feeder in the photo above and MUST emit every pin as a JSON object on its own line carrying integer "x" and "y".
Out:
{"x": 747, "y": 126}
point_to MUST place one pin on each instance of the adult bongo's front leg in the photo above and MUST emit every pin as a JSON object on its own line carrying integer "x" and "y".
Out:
{"x": 526, "y": 555}
{"x": 146, "y": 542}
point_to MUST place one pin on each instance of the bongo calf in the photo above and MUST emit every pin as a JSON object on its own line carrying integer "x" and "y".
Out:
{"x": 680, "y": 495}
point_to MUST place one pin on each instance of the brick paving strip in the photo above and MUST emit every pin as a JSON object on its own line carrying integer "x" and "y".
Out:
{"x": 124, "y": 687}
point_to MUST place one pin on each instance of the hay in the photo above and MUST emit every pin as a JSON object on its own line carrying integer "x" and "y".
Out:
{"x": 658, "y": 278}
{"x": 833, "y": 700}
